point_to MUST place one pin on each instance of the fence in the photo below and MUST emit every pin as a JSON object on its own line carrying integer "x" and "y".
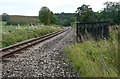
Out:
{"x": 92, "y": 30}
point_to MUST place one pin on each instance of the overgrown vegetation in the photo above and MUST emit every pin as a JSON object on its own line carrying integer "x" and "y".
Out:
{"x": 65, "y": 19}
{"x": 46, "y": 16}
{"x": 111, "y": 12}
{"x": 14, "y": 34}
{"x": 95, "y": 59}
{"x": 85, "y": 14}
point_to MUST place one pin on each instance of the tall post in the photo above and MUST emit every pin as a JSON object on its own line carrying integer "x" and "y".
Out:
{"x": 77, "y": 36}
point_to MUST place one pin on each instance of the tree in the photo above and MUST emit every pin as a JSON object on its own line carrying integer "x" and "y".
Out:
{"x": 54, "y": 19}
{"x": 5, "y": 17}
{"x": 45, "y": 15}
{"x": 111, "y": 12}
{"x": 85, "y": 14}
{"x": 65, "y": 19}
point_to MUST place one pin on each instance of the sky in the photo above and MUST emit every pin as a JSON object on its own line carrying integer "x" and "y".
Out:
{"x": 32, "y": 7}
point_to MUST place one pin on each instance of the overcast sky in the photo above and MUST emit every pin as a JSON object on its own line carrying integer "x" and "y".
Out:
{"x": 32, "y": 7}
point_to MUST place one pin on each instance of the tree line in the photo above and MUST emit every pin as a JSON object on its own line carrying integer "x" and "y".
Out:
{"x": 84, "y": 13}
{"x": 111, "y": 12}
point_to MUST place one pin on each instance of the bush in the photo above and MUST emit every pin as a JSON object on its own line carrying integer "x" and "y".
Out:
{"x": 16, "y": 23}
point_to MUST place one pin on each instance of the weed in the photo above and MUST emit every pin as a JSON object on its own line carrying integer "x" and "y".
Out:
{"x": 95, "y": 59}
{"x": 12, "y": 34}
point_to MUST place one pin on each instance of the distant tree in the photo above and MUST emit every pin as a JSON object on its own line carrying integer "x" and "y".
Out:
{"x": 45, "y": 15}
{"x": 54, "y": 19}
{"x": 5, "y": 17}
{"x": 85, "y": 14}
{"x": 111, "y": 12}
{"x": 65, "y": 19}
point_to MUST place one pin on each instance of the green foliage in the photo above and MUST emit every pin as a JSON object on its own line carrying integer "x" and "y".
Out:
{"x": 2, "y": 23}
{"x": 45, "y": 15}
{"x": 16, "y": 22}
{"x": 54, "y": 19}
{"x": 65, "y": 19}
{"x": 95, "y": 59}
{"x": 85, "y": 14}
{"x": 111, "y": 12}
{"x": 5, "y": 17}
{"x": 13, "y": 34}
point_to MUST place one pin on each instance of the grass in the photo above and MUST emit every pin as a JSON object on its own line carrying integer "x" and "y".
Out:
{"x": 14, "y": 34}
{"x": 95, "y": 59}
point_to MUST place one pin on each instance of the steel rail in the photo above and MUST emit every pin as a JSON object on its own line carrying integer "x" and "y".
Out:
{"x": 34, "y": 41}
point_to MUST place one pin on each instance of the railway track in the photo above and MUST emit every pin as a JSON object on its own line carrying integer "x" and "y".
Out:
{"x": 9, "y": 51}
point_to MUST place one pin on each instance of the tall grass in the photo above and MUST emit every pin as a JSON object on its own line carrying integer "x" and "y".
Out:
{"x": 12, "y": 35}
{"x": 95, "y": 59}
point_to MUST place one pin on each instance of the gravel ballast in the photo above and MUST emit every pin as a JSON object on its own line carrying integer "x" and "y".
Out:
{"x": 45, "y": 59}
